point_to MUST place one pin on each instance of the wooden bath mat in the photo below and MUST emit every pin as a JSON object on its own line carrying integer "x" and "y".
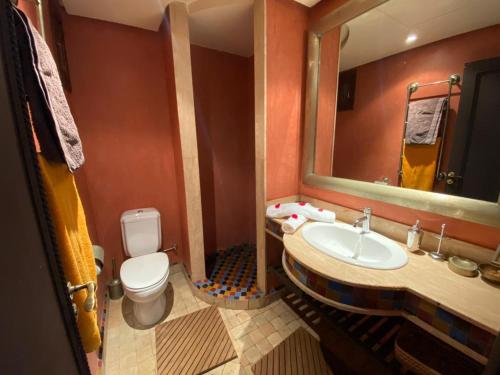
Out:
{"x": 299, "y": 354}
{"x": 193, "y": 344}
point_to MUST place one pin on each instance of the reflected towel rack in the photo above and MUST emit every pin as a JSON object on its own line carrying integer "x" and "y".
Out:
{"x": 454, "y": 79}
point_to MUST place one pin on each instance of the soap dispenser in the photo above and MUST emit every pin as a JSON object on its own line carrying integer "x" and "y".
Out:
{"x": 414, "y": 237}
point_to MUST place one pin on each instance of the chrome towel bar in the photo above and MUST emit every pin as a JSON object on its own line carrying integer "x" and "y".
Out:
{"x": 453, "y": 80}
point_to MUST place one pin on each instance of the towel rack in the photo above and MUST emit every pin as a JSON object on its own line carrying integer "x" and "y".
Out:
{"x": 454, "y": 79}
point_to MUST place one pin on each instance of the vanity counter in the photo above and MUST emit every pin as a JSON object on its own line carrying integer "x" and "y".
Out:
{"x": 472, "y": 299}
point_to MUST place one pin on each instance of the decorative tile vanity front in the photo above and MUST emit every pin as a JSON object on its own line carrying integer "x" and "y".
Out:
{"x": 463, "y": 312}
{"x": 390, "y": 302}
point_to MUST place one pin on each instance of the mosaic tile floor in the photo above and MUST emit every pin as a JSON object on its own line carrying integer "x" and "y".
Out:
{"x": 131, "y": 349}
{"x": 234, "y": 275}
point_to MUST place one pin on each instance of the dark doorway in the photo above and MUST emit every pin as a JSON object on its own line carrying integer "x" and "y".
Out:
{"x": 474, "y": 170}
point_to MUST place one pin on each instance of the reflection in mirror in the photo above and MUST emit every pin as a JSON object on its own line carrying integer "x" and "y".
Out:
{"x": 408, "y": 96}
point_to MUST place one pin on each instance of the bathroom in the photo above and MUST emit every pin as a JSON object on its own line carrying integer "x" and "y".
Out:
{"x": 222, "y": 126}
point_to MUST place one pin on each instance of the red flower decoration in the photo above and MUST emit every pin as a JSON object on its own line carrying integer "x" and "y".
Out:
{"x": 295, "y": 216}
{"x": 277, "y": 205}
{"x": 302, "y": 203}
{"x": 320, "y": 209}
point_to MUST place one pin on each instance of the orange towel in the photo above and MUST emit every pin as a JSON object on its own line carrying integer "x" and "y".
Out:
{"x": 419, "y": 166}
{"x": 75, "y": 248}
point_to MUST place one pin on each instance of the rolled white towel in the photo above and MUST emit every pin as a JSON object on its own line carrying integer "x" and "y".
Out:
{"x": 293, "y": 223}
{"x": 303, "y": 208}
{"x": 280, "y": 210}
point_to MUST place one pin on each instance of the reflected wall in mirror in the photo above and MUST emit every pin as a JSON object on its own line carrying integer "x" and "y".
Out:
{"x": 409, "y": 95}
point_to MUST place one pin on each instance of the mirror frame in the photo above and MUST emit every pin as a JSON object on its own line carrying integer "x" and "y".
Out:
{"x": 473, "y": 210}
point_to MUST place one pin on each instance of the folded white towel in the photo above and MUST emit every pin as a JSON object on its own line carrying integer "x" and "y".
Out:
{"x": 293, "y": 223}
{"x": 302, "y": 208}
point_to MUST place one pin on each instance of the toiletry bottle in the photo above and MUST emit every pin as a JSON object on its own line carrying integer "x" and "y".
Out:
{"x": 414, "y": 237}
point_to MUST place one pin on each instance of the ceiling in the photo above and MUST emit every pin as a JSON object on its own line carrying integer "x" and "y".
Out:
{"x": 382, "y": 31}
{"x": 224, "y": 25}
{"x": 227, "y": 27}
{"x": 144, "y": 14}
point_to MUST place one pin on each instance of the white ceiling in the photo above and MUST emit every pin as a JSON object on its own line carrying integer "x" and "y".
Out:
{"x": 382, "y": 31}
{"x": 227, "y": 27}
{"x": 145, "y": 14}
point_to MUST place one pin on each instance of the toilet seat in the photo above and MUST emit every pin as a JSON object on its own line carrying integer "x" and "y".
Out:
{"x": 144, "y": 272}
{"x": 145, "y": 290}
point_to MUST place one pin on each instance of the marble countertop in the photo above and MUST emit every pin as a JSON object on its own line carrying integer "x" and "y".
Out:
{"x": 473, "y": 299}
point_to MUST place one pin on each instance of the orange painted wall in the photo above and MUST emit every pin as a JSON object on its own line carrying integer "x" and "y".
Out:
{"x": 368, "y": 138}
{"x": 286, "y": 24}
{"x": 286, "y": 44}
{"x": 120, "y": 104}
{"x": 223, "y": 98}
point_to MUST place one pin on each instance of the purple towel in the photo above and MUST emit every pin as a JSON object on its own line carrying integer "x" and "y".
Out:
{"x": 424, "y": 118}
{"x": 52, "y": 114}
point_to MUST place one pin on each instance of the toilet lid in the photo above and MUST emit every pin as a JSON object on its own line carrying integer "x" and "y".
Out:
{"x": 144, "y": 271}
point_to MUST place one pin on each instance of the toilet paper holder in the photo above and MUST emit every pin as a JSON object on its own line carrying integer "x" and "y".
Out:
{"x": 98, "y": 258}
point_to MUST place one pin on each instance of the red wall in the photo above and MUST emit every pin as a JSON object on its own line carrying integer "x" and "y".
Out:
{"x": 120, "y": 104}
{"x": 223, "y": 97}
{"x": 287, "y": 22}
{"x": 368, "y": 138}
{"x": 286, "y": 43}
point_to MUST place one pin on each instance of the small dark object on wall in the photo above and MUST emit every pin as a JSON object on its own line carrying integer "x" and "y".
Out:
{"x": 347, "y": 90}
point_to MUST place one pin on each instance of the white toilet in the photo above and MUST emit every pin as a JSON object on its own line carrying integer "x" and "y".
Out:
{"x": 145, "y": 275}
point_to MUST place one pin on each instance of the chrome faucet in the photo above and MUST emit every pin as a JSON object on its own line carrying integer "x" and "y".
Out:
{"x": 365, "y": 221}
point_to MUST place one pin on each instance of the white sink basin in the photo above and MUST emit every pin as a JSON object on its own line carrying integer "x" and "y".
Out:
{"x": 345, "y": 243}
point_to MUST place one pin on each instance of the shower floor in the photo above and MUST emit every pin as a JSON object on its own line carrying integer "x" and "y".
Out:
{"x": 234, "y": 274}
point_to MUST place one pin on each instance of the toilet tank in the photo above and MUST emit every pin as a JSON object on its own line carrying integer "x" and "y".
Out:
{"x": 141, "y": 231}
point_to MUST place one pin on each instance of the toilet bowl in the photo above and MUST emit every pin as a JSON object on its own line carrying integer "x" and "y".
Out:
{"x": 145, "y": 275}
{"x": 144, "y": 280}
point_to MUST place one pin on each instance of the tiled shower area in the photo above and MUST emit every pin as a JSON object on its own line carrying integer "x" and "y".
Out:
{"x": 233, "y": 275}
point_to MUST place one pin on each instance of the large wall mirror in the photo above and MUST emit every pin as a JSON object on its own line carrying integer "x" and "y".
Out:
{"x": 404, "y": 104}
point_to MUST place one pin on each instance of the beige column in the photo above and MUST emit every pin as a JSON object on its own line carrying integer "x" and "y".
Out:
{"x": 181, "y": 50}
{"x": 260, "y": 137}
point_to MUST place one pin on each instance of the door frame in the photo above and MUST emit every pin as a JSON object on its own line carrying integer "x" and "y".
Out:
{"x": 466, "y": 111}
{"x": 14, "y": 114}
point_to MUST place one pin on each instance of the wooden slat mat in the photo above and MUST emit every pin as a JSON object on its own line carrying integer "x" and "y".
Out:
{"x": 299, "y": 354}
{"x": 193, "y": 344}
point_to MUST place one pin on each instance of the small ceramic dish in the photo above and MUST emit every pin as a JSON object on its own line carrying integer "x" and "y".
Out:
{"x": 464, "y": 267}
{"x": 490, "y": 272}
